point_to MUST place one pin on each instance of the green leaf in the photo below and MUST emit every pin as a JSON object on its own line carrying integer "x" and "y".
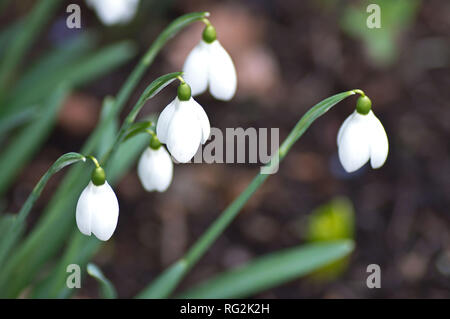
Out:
{"x": 109, "y": 135}
{"x": 58, "y": 60}
{"x": 107, "y": 289}
{"x": 76, "y": 72}
{"x": 23, "y": 40}
{"x": 79, "y": 251}
{"x": 163, "y": 285}
{"x": 8, "y": 33}
{"x": 27, "y": 142}
{"x": 17, "y": 118}
{"x": 13, "y": 232}
{"x": 137, "y": 128}
{"x": 271, "y": 270}
{"x": 6, "y": 223}
{"x": 37, "y": 81}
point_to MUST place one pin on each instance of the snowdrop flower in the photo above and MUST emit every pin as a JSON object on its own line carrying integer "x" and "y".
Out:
{"x": 183, "y": 125}
{"x": 97, "y": 208}
{"x": 208, "y": 64}
{"x": 112, "y": 12}
{"x": 362, "y": 137}
{"x": 155, "y": 168}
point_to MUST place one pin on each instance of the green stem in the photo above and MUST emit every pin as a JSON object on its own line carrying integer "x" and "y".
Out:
{"x": 180, "y": 78}
{"x": 166, "y": 283}
{"x": 94, "y": 160}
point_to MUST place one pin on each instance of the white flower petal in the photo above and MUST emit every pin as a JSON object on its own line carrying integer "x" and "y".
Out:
{"x": 112, "y": 12}
{"x": 185, "y": 134}
{"x": 202, "y": 119}
{"x": 155, "y": 169}
{"x": 162, "y": 126}
{"x": 222, "y": 73}
{"x": 342, "y": 128}
{"x": 195, "y": 69}
{"x": 379, "y": 145}
{"x": 84, "y": 211}
{"x": 106, "y": 213}
{"x": 97, "y": 211}
{"x": 353, "y": 146}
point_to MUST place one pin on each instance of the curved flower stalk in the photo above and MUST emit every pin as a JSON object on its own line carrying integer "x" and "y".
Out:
{"x": 97, "y": 209}
{"x": 112, "y": 12}
{"x": 183, "y": 125}
{"x": 155, "y": 167}
{"x": 362, "y": 137}
{"x": 166, "y": 283}
{"x": 209, "y": 65}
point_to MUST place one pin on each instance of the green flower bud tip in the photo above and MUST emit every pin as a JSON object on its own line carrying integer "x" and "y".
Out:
{"x": 98, "y": 176}
{"x": 209, "y": 34}
{"x": 155, "y": 143}
{"x": 184, "y": 92}
{"x": 363, "y": 105}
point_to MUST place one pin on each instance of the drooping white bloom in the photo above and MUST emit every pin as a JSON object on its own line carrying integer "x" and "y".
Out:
{"x": 97, "y": 211}
{"x": 112, "y": 12}
{"x": 155, "y": 169}
{"x": 360, "y": 138}
{"x": 208, "y": 64}
{"x": 183, "y": 126}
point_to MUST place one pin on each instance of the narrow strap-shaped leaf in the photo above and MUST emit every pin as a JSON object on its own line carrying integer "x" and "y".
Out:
{"x": 109, "y": 134}
{"x": 78, "y": 252}
{"x": 11, "y": 235}
{"x": 163, "y": 285}
{"x": 8, "y": 33}
{"x": 7, "y": 221}
{"x": 33, "y": 24}
{"x": 65, "y": 54}
{"x": 27, "y": 142}
{"x": 271, "y": 270}
{"x": 137, "y": 128}
{"x": 75, "y": 72}
{"x": 107, "y": 289}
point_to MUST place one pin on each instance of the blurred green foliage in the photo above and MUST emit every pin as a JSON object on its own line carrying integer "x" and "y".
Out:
{"x": 29, "y": 104}
{"x": 332, "y": 221}
{"x": 382, "y": 44}
{"x": 271, "y": 270}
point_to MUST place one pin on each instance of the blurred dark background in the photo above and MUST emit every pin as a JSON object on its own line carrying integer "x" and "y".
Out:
{"x": 289, "y": 55}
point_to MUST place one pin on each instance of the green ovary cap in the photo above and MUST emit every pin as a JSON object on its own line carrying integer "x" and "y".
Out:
{"x": 184, "y": 92}
{"x": 155, "y": 143}
{"x": 98, "y": 176}
{"x": 209, "y": 34}
{"x": 363, "y": 105}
